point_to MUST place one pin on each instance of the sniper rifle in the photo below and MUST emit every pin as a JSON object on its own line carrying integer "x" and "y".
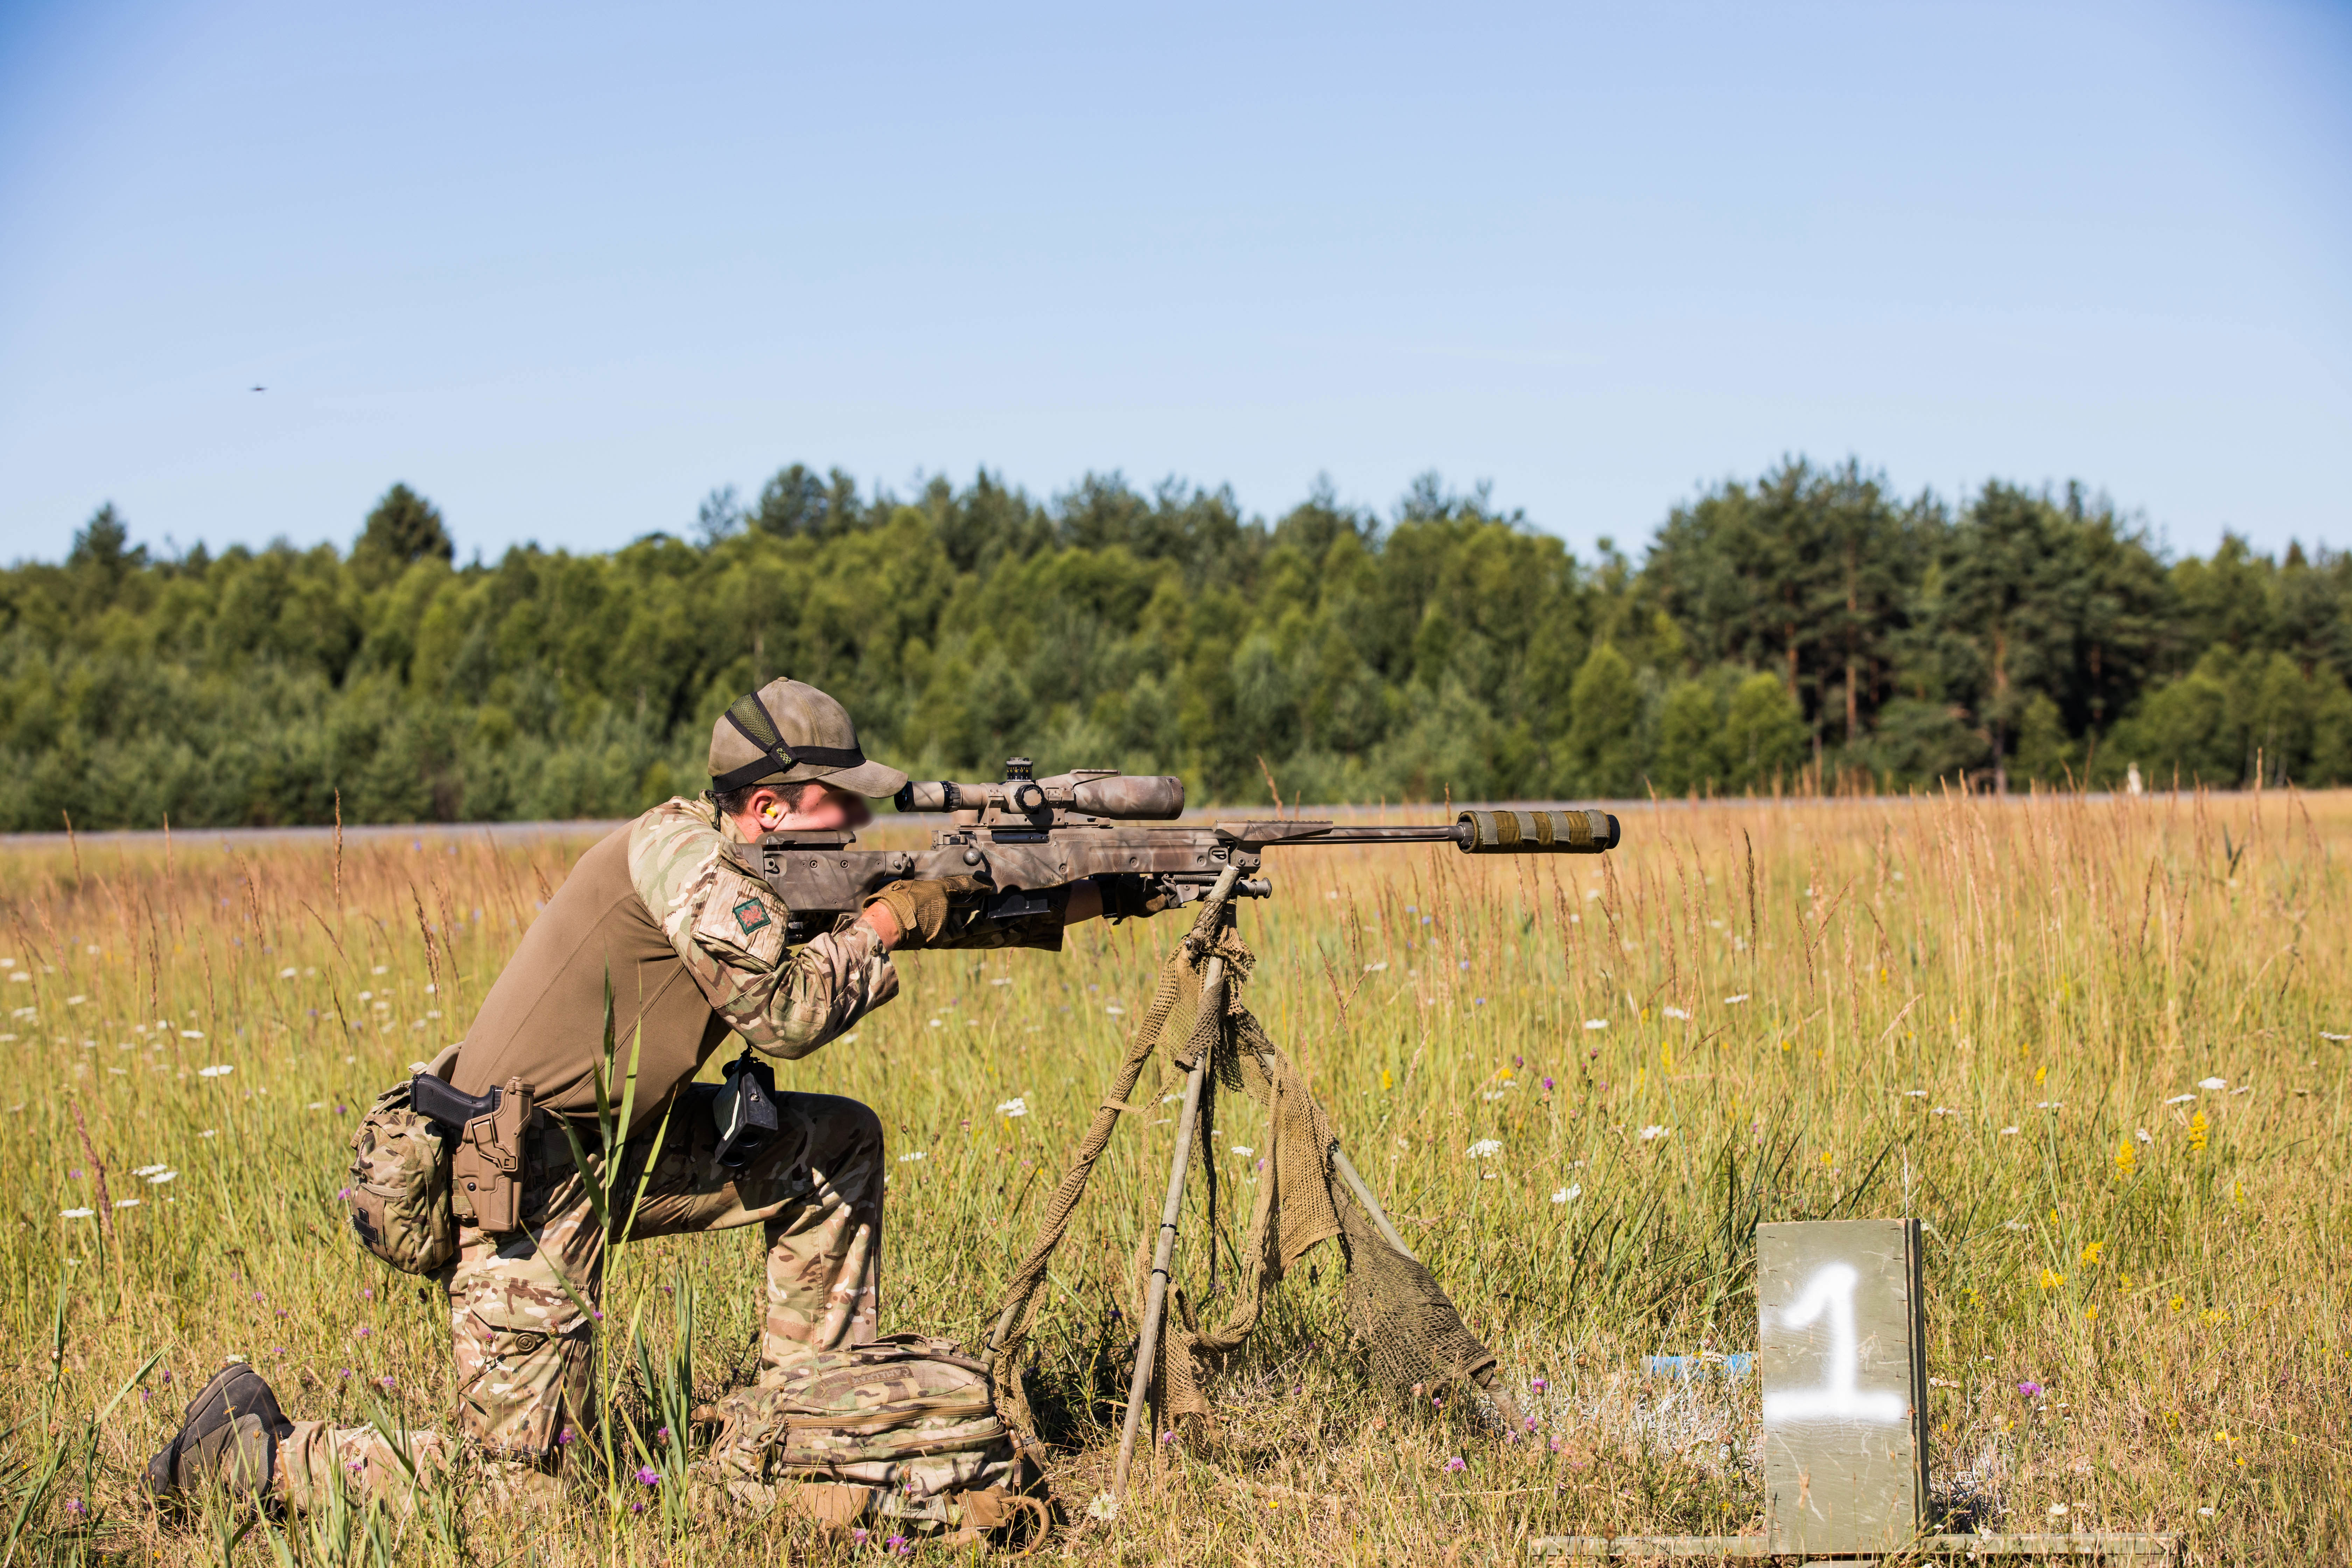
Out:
{"x": 1023, "y": 836}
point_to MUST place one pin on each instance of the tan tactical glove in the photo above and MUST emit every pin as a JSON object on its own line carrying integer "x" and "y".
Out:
{"x": 922, "y": 911}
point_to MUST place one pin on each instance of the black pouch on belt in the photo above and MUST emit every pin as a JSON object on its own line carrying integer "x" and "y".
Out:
{"x": 486, "y": 1168}
{"x": 745, "y": 1111}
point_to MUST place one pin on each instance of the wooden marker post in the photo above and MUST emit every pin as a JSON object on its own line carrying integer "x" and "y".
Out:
{"x": 1842, "y": 1330}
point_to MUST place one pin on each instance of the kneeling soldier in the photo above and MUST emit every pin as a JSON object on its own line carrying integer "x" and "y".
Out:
{"x": 693, "y": 943}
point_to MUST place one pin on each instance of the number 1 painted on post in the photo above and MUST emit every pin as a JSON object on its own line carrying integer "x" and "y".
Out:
{"x": 1830, "y": 1291}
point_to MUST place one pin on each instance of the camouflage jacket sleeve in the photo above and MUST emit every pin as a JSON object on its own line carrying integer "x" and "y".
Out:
{"x": 728, "y": 927}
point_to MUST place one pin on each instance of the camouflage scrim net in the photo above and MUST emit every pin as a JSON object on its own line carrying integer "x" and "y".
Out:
{"x": 1397, "y": 1313}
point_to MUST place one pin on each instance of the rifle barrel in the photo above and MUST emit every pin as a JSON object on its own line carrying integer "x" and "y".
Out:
{"x": 1474, "y": 833}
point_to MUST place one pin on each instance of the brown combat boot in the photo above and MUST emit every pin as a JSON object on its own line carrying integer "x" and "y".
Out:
{"x": 229, "y": 1437}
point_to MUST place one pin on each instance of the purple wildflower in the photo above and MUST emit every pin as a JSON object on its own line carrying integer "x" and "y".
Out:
{"x": 661, "y": 1433}
{"x": 75, "y": 1507}
{"x": 2030, "y": 1389}
{"x": 647, "y": 1476}
{"x": 386, "y": 1380}
{"x": 1456, "y": 1463}
{"x": 1168, "y": 1437}
{"x": 1546, "y": 1083}
{"x": 564, "y": 1439}
{"x": 636, "y": 1505}
{"x": 858, "y": 1537}
{"x": 1531, "y": 1423}
{"x": 899, "y": 1546}
{"x": 1538, "y": 1384}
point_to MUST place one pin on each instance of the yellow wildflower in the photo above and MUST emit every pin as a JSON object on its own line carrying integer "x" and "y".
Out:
{"x": 2179, "y": 1302}
{"x": 2051, "y": 1279}
{"x": 2127, "y": 1158}
{"x": 2199, "y": 1129}
{"x": 2039, "y": 1074}
{"x": 2090, "y": 1314}
{"x": 2091, "y": 1253}
{"x": 1387, "y": 1079}
{"x": 2214, "y": 1315}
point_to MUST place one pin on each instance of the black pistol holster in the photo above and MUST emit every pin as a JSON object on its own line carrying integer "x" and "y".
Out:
{"x": 486, "y": 1166}
{"x": 745, "y": 1110}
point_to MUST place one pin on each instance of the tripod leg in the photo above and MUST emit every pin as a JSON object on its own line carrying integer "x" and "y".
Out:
{"x": 1155, "y": 1298}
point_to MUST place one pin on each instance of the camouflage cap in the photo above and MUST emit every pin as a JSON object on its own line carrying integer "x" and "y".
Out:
{"x": 790, "y": 733}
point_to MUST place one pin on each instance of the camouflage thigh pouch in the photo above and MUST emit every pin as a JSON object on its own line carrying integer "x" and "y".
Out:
{"x": 399, "y": 1188}
{"x": 902, "y": 1429}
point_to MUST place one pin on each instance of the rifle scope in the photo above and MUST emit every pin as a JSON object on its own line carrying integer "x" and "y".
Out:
{"x": 1089, "y": 792}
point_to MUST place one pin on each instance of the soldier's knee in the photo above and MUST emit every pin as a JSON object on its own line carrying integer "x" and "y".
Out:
{"x": 848, "y": 1130}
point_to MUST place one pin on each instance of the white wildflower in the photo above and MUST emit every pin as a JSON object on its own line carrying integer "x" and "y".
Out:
{"x": 2180, "y": 1099}
{"x": 219, "y": 1069}
{"x": 1379, "y": 968}
{"x": 126, "y": 1203}
{"x": 1116, "y": 1011}
{"x": 1596, "y": 1023}
{"x": 1677, "y": 1012}
{"x": 288, "y": 973}
{"x": 1569, "y": 1194}
{"x": 1016, "y": 1106}
{"x": 381, "y": 968}
{"x": 2142, "y": 1135}
{"x": 911, "y": 1155}
{"x": 2337, "y": 1039}
{"x": 75, "y": 1214}
{"x": 192, "y": 1034}
{"x": 1001, "y": 980}
{"x": 2008, "y": 1132}
{"x": 149, "y": 1170}
{"x": 2213, "y": 1083}
{"x": 163, "y": 1177}
{"x": 1655, "y": 1131}
{"x": 1243, "y": 1149}
{"x": 2057, "y": 1510}
{"x": 209, "y": 1133}
{"x": 1733, "y": 1001}
{"x": 75, "y": 1000}
{"x": 1484, "y": 1149}
{"x": 1915, "y": 1094}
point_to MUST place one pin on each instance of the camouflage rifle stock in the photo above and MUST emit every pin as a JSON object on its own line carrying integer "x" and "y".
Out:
{"x": 1024, "y": 836}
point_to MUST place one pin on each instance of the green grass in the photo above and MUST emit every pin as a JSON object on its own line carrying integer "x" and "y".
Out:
{"x": 1919, "y": 977}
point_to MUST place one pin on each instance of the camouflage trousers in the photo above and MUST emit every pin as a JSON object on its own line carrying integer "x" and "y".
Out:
{"x": 524, "y": 1307}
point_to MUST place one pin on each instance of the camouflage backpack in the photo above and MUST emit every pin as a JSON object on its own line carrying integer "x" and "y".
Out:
{"x": 399, "y": 1187}
{"x": 901, "y": 1431}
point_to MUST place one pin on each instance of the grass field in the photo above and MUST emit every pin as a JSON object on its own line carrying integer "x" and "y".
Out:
{"x": 1996, "y": 1017}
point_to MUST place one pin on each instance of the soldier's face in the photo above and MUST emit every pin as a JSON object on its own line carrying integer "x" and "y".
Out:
{"x": 822, "y": 808}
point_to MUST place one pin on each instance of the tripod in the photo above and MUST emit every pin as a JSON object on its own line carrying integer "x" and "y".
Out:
{"x": 1215, "y": 913}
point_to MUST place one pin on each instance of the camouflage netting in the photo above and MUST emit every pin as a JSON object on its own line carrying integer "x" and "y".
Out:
{"x": 1414, "y": 1338}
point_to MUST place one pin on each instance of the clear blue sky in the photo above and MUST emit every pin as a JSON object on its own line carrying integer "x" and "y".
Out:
{"x": 564, "y": 269}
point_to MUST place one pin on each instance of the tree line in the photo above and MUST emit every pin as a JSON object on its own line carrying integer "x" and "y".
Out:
{"x": 1808, "y": 629}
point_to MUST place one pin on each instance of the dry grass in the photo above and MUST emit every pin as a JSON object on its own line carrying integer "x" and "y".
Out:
{"x": 1985, "y": 1015}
